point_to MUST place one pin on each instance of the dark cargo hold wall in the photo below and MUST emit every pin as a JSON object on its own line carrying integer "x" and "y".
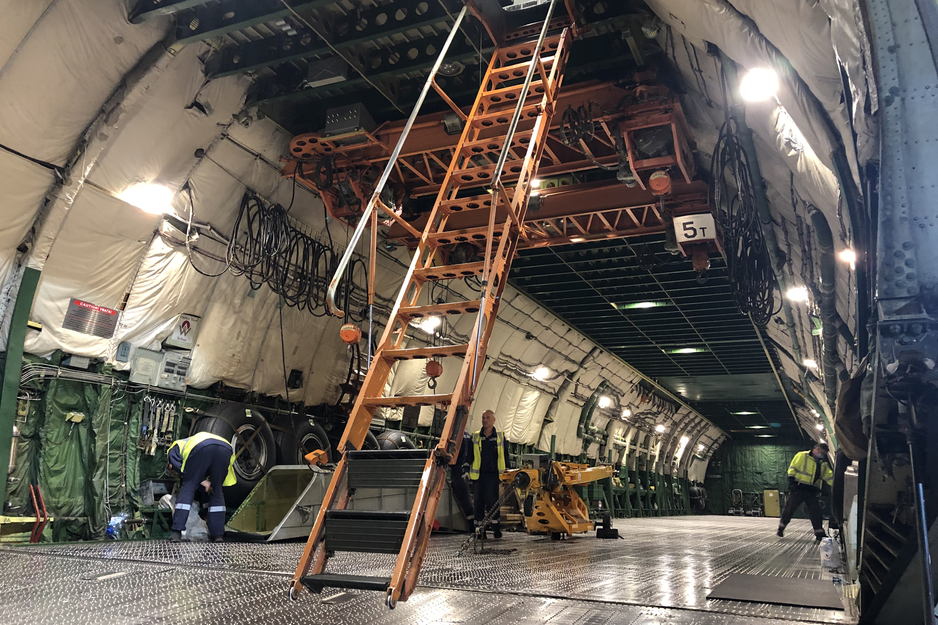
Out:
{"x": 752, "y": 468}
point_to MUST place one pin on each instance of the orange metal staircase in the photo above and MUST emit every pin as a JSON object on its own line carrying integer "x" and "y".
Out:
{"x": 492, "y": 172}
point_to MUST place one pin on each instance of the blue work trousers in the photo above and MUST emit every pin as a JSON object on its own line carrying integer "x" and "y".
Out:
{"x": 204, "y": 461}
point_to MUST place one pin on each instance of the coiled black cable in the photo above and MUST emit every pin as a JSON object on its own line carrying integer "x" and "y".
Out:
{"x": 266, "y": 249}
{"x": 751, "y": 278}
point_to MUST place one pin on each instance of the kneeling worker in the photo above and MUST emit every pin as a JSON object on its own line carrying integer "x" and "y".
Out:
{"x": 805, "y": 474}
{"x": 198, "y": 457}
{"x": 488, "y": 460}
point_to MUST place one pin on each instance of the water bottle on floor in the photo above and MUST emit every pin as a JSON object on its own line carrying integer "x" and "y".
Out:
{"x": 830, "y": 554}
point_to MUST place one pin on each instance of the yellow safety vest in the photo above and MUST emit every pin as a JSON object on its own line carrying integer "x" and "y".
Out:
{"x": 186, "y": 445}
{"x": 803, "y": 466}
{"x": 477, "y": 453}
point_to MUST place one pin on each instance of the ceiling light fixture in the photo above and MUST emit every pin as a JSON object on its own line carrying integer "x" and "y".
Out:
{"x": 451, "y": 68}
{"x": 848, "y": 256}
{"x": 810, "y": 364}
{"x": 150, "y": 198}
{"x": 684, "y": 440}
{"x": 765, "y": 435}
{"x": 542, "y": 373}
{"x": 819, "y": 427}
{"x": 757, "y": 427}
{"x": 605, "y": 401}
{"x": 639, "y": 305}
{"x": 660, "y": 429}
{"x": 688, "y": 350}
{"x": 428, "y": 325}
{"x": 700, "y": 447}
{"x": 759, "y": 84}
{"x": 797, "y": 294}
{"x": 744, "y": 412}
{"x": 626, "y": 413}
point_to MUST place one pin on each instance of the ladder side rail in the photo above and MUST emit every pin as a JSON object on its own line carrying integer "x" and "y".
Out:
{"x": 309, "y": 551}
{"x": 392, "y": 162}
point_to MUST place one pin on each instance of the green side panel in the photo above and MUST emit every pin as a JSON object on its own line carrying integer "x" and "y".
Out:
{"x": 750, "y": 468}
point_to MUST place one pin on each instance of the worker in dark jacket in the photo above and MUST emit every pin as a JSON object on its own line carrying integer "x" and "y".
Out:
{"x": 807, "y": 471}
{"x": 488, "y": 460}
{"x": 207, "y": 460}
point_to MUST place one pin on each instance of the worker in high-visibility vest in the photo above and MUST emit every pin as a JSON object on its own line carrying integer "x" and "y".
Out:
{"x": 808, "y": 470}
{"x": 204, "y": 460}
{"x": 488, "y": 460}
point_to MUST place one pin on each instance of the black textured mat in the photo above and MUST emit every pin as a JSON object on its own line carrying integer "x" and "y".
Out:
{"x": 798, "y": 591}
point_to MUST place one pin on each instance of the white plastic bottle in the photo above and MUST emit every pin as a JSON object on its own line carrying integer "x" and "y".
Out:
{"x": 830, "y": 554}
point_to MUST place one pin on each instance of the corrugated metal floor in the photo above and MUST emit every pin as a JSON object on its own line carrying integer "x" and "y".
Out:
{"x": 660, "y": 572}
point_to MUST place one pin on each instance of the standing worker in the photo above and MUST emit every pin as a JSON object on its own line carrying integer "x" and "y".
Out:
{"x": 198, "y": 457}
{"x": 805, "y": 474}
{"x": 489, "y": 459}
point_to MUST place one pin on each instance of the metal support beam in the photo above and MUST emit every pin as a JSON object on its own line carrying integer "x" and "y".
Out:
{"x": 229, "y": 16}
{"x": 355, "y": 29}
{"x": 151, "y": 9}
{"x": 13, "y": 367}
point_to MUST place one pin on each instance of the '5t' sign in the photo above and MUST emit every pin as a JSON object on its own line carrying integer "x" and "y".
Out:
{"x": 695, "y": 228}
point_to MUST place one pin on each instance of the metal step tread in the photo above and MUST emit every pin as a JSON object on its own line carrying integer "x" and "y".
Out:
{"x": 399, "y": 402}
{"x": 454, "y": 308}
{"x": 315, "y": 583}
{"x": 503, "y": 118}
{"x": 465, "y": 235}
{"x": 368, "y": 515}
{"x": 450, "y": 272}
{"x": 520, "y": 70}
{"x": 471, "y": 203}
{"x": 441, "y": 351}
{"x": 388, "y": 454}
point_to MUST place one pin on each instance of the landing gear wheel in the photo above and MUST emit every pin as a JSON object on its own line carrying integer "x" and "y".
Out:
{"x": 389, "y": 599}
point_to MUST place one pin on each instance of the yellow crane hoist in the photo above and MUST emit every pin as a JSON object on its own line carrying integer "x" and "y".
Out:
{"x": 551, "y": 506}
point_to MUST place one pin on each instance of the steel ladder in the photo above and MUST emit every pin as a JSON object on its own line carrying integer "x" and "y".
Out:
{"x": 493, "y": 168}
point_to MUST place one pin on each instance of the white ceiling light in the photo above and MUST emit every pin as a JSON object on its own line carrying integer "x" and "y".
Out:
{"x": 660, "y": 429}
{"x": 758, "y": 84}
{"x": 605, "y": 401}
{"x": 684, "y": 440}
{"x": 848, "y": 256}
{"x": 820, "y": 428}
{"x": 430, "y": 324}
{"x": 541, "y": 373}
{"x": 797, "y": 294}
{"x": 626, "y": 413}
{"x": 810, "y": 364}
{"x": 150, "y": 198}
{"x": 700, "y": 447}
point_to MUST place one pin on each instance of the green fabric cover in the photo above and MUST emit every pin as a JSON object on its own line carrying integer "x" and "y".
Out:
{"x": 750, "y": 468}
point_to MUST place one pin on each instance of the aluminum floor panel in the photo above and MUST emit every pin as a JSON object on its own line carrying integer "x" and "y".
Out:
{"x": 660, "y": 572}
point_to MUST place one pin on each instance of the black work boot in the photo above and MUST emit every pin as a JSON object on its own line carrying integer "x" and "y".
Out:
{"x": 175, "y": 536}
{"x": 496, "y": 531}
{"x": 781, "y": 532}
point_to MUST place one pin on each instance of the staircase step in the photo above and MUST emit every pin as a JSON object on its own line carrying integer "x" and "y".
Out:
{"x": 518, "y": 71}
{"x": 493, "y": 145}
{"x": 366, "y": 531}
{"x": 400, "y": 402}
{"x": 525, "y": 48}
{"x": 455, "y": 308}
{"x": 466, "y": 235}
{"x": 511, "y": 93}
{"x": 394, "y": 468}
{"x": 441, "y": 351}
{"x": 466, "y": 204}
{"x": 315, "y": 583}
{"x": 503, "y": 118}
{"x": 450, "y": 272}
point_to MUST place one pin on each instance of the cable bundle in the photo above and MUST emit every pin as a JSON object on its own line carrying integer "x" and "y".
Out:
{"x": 267, "y": 249}
{"x": 752, "y": 280}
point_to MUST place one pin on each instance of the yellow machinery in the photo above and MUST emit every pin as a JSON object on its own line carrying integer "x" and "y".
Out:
{"x": 550, "y": 503}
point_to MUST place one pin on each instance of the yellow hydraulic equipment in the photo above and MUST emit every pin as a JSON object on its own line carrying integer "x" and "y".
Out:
{"x": 550, "y": 504}
{"x": 492, "y": 171}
